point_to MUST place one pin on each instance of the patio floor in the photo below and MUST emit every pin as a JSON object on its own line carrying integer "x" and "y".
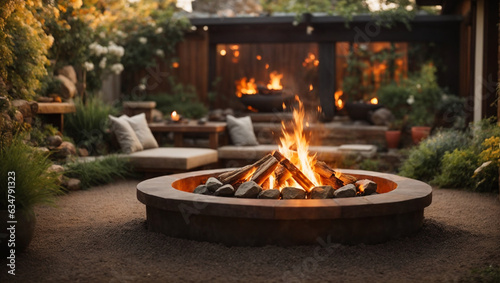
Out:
{"x": 99, "y": 235}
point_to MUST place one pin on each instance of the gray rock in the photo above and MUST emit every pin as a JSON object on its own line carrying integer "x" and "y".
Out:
{"x": 69, "y": 72}
{"x": 321, "y": 192}
{"x": 202, "y": 190}
{"x": 346, "y": 191}
{"x": 83, "y": 152}
{"x": 69, "y": 147}
{"x": 366, "y": 187}
{"x": 213, "y": 184}
{"x": 270, "y": 194}
{"x": 225, "y": 191}
{"x": 248, "y": 189}
{"x": 382, "y": 117}
{"x": 24, "y": 107}
{"x": 293, "y": 193}
{"x": 68, "y": 88}
{"x": 73, "y": 184}
{"x": 56, "y": 168}
{"x": 54, "y": 141}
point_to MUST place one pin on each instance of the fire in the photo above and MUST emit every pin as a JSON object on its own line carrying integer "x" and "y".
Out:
{"x": 338, "y": 102}
{"x": 275, "y": 81}
{"x": 174, "y": 116}
{"x": 311, "y": 87}
{"x": 374, "y": 100}
{"x": 246, "y": 87}
{"x": 295, "y": 146}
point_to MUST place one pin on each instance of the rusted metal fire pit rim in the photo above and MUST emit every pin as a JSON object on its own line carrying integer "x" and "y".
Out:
{"x": 408, "y": 195}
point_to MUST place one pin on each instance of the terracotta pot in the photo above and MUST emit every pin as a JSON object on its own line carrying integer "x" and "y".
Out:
{"x": 419, "y": 133}
{"x": 392, "y": 138}
{"x": 24, "y": 230}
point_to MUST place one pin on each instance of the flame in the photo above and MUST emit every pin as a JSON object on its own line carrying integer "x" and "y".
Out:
{"x": 174, "y": 116}
{"x": 338, "y": 102}
{"x": 275, "y": 81}
{"x": 374, "y": 100}
{"x": 258, "y": 57}
{"x": 252, "y": 109}
{"x": 283, "y": 106}
{"x": 236, "y": 53}
{"x": 175, "y": 65}
{"x": 295, "y": 146}
{"x": 267, "y": 66}
{"x": 223, "y": 52}
{"x": 246, "y": 87}
{"x": 311, "y": 87}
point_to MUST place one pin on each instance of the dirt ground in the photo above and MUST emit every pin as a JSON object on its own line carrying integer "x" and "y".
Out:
{"x": 100, "y": 235}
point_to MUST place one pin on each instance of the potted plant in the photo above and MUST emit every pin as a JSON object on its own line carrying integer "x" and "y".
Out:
{"x": 25, "y": 184}
{"x": 393, "y": 134}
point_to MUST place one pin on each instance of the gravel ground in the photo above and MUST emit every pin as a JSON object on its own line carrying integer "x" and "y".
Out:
{"x": 100, "y": 235}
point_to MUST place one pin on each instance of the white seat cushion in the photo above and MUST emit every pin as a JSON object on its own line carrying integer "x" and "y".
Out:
{"x": 125, "y": 135}
{"x": 142, "y": 131}
{"x": 176, "y": 158}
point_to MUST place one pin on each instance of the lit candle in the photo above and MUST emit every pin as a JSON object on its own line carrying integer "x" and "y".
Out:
{"x": 374, "y": 100}
{"x": 174, "y": 116}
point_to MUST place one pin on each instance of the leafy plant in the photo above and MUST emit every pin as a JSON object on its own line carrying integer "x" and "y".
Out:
{"x": 457, "y": 169}
{"x": 182, "y": 98}
{"x": 33, "y": 183}
{"x": 424, "y": 161}
{"x": 100, "y": 171}
{"x": 89, "y": 125}
{"x": 394, "y": 97}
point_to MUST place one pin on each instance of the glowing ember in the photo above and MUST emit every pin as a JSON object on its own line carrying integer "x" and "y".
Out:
{"x": 374, "y": 100}
{"x": 244, "y": 87}
{"x": 275, "y": 81}
{"x": 175, "y": 117}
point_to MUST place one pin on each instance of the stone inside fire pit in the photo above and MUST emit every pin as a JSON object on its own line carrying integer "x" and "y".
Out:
{"x": 171, "y": 207}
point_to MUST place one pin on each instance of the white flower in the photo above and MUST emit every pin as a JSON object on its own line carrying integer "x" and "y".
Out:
{"x": 102, "y": 34}
{"x": 409, "y": 8}
{"x": 115, "y": 50}
{"x": 117, "y": 68}
{"x": 89, "y": 66}
{"x": 419, "y": 86}
{"x": 410, "y": 100}
{"x": 142, "y": 87}
{"x": 97, "y": 49}
{"x": 160, "y": 52}
{"x": 102, "y": 64}
{"x": 143, "y": 40}
{"x": 159, "y": 30}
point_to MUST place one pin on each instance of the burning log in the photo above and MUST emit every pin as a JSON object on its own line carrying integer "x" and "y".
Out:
{"x": 265, "y": 170}
{"x": 282, "y": 175}
{"x": 333, "y": 177}
{"x": 295, "y": 172}
{"x": 243, "y": 173}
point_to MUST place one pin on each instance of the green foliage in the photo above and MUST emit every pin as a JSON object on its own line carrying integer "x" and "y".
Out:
{"x": 100, "y": 171}
{"x": 182, "y": 98}
{"x": 89, "y": 125}
{"x": 370, "y": 165}
{"x": 457, "y": 169}
{"x": 425, "y": 94}
{"x": 23, "y": 48}
{"x": 39, "y": 132}
{"x": 299, "y": 6}
{"x": 33, "y": 184}
{"x": 395, "y": 97}
{"x": 490, "y": 274}
{"x": 424, "y": 160}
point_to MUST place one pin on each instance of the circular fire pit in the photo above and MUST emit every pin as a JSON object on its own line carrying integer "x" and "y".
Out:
{"x": 172, "y": 209}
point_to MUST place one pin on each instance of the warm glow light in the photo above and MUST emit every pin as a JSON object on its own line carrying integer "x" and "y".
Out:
{"x": 236, "y": 53}
{"x": 316, "y": 63}
{"x": 246, "y": 87}
{"x": 319, "y": 109}
{"x": 174, "y": 116}
{"x": 252, "y": 109}
{"x": 234, "y": 47}
{"x": 311, "y": 87}
{"x": 267, "y": 66}
{"x": 258, "y": 57}
{"x": 374, "y": 100}
{"x": 295, "y": 146}
{"x": 175, "y": 65}
{"x": 275, "y": 81}
{"x": 283, "y": 106}
{"x": 223, "y": 52}
{"x": 338, "y": 102}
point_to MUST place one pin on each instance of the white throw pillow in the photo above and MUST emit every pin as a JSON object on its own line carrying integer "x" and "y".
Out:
{"x": 241, "y": 130}
{"x": 125, "y": 134}
{"x": 142, "y": 131}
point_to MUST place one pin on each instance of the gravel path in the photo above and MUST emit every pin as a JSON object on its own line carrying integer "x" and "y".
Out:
{"x": 99, "y": 235}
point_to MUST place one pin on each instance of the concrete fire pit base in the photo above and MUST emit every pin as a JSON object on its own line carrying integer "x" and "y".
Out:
{"x": 172, "y": 209}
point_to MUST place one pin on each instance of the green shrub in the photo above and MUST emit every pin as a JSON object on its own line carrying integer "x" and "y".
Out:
{"x": 99, "y": 172}
{"x": 33, "y": 184}
{"x": 424, "y": 160}
{"x": 457, "y": 169}
{"x": 395, "y": 97}
{"x": 89, "y": 125}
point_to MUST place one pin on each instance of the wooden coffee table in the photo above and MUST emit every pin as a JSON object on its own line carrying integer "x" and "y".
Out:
{"x": 213, "y": 129}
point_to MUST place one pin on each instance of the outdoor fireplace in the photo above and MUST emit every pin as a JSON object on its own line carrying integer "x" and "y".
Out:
{"x": 395, "y": 209}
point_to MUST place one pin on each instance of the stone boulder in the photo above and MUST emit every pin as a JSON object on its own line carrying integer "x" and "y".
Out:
{"x": 293, "y": 193}
{"x": 68, "y": 88}
{"x": 69, "y": 72}
{"x": 224, "y": 191}
{"x": 54, "y": 141}
{"x": 366, "y": 187}
{"x": 213, "y": 184}
{"x": 346, "y": 191}
{"x": 270, "y": 194}
{"x": 382, "y": 117}
{"x": 202, "y": 190}
{"x": 321, "y": 192}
